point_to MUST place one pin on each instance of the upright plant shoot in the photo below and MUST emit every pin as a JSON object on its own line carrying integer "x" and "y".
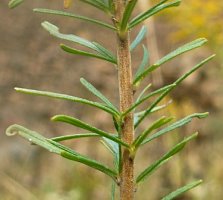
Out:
{"x": 126, "y": 141}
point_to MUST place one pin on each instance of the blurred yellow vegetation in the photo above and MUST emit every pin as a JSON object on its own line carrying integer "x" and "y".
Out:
{"x": 199, "y": 18}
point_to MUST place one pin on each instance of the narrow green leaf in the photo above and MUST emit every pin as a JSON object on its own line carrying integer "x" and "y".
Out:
{"x": 137, "y": 103}
{"x": 143, "y": 92}
{"x": 66, "y": 14}
{"x": 75, "y": 156}
{"x": 83, "y": 125}
{"x": 68, "y": 98}
{"x": 141, "y": 35}
{"x": 181, "y": 190}
{"x": 96, "y": 4}
{"x": 155, "y": 109}
{"x": 74, "y": 136}
{"x": 153, "y": 105}
{"x": 14, "y": 3}
{"x": 85, "y": 53}
{"x": 127, "y": 14}
{"x": 152, "y": 11}
{"x": 92, "y": 89}
{"x": 151, "y": 169}
{"x": 105, "y": 52}
{"x": 32, "y": 136}
{"x": 54, "y": 30}
{"x": 144, "y": 62}
{"x": 113, "y": 187}
{"x": 157, "y": 124}
{"x": 114, "y": 149}
{"x": 175, "y": 125}
{"x": 183, "y": 49}
{"x": 177, "y": 82}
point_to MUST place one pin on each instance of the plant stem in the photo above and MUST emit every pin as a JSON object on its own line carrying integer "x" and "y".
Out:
{"x": 126, "y": 101}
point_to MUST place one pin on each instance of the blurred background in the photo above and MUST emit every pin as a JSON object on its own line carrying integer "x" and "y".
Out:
{"x": 31, "y": 58}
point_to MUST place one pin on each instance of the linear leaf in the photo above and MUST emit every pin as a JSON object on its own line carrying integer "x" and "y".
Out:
{"x": 14, "y": 3}
{"x": 32, "y": 137}
{"x": 85, "y": 53}
{"x": 181, "y": 190}
{"x": 143, "y": 92}
{"x": 75, "y": 156}
{"x": 83, "y": 125}
{"x": 141, "y": 35}
{"x": 183, "y": 49}
{"x": 66, "y": 14}
{"x": 175, "y": 125}
{"x": 149, "y": 170}
{"x": 74, "y": 136}
{"x": 54, "y": 30}
{"x": 144, "y": 62}
{"x": 157, "y": 124}
{"x": 177, "y": 82}
{"x": 114, "y": 148}
{"x": 127, "y": 14}
{"x": 137, "y": 103}
{"x": 153, "y": 105}
{"x": 96, "y": 4}
{"x": 105, "y": 52}
{"x": 97, "y": 93}
{"x": 152, "y": 11}
{"x": 68, "y": 98}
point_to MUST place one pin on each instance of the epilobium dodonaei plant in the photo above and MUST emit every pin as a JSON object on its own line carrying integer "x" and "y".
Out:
{"x": 126, "y": 141}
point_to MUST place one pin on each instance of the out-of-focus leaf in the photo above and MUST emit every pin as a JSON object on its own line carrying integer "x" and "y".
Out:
{"x": 92, "y": 89}
{"x": 68, "y": 98}
{"x": 85, "y": 53}
{"x": 181, "y": 190}
{"x": 175, "y": 125}
{"x": 152, "y": 11}
{"x": 83, "y": 125}
{"x": 14, "y": 3}
{"x": 67, "y": 14}
{"x": 149, "y": 170}
{"x": 185, "y": 48}
{"x": 144, "y": 62}
{"x": 141, "y": 35}
{"x": 157, "y": 124}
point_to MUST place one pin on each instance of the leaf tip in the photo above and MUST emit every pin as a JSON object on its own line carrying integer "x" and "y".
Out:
{"x": 12, "y": 130}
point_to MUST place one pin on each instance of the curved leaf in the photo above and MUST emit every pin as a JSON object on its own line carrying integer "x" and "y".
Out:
{"x": 66, "y": 14}
{"x": 149, "y": 170}
{"x": 83, "y": 125}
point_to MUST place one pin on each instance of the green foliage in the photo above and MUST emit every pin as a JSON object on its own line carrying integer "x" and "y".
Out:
{"x": 113, "y": 141}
